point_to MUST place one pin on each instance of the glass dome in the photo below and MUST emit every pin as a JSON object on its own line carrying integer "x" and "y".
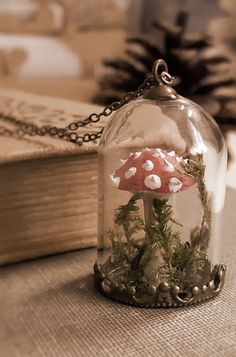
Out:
{"x": 162, "y": 164}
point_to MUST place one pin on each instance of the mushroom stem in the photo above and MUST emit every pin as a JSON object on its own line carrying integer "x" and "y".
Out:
{"x": 148, "y": 208}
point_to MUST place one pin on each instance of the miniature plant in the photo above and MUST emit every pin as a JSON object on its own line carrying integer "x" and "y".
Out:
{"x": 151, "y": 250}
{"x": 126, "y": 223}
{"x": 190, "y": 259}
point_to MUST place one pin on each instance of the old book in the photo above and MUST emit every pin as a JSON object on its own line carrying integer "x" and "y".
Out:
{"x": 48, "y": 188}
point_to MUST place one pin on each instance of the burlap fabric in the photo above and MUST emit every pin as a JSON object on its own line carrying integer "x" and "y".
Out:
{"x": 49, "y": 307}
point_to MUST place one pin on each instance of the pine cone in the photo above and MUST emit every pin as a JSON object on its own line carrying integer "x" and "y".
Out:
{"x": 201, "y": 74}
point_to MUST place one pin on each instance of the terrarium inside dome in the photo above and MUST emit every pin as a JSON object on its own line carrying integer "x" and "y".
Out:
{"x": 161, "y": 187}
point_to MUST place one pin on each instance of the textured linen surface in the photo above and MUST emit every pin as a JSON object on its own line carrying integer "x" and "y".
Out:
{"x": 49, "y": 307}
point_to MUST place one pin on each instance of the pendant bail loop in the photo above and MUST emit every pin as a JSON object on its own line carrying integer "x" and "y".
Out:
{"x": 160, "y": 72}
{"x": 162, "y": 89}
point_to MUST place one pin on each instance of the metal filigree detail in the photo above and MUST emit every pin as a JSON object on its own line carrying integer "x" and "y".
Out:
{"x": 165, "y": 295}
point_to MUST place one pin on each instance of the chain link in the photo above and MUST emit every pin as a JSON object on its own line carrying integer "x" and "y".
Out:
{"x": 69, "y": 133}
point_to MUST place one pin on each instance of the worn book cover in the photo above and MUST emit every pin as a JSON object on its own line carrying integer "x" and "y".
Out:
{"x": 48, "y": 188}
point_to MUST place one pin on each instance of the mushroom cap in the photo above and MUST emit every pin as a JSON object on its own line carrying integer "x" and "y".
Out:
{"x": 152, "y": 170}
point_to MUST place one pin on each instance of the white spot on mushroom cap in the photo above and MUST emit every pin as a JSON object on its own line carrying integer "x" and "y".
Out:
{"x": 115, "y": 181}
{"x": 171, "y": 153}
{"x": 175, "y": 184}
{"x": 158, "y": 153}
{"x": 137, "y": 154}
{"x": 179, "y": 158}
{"x": 130, "y": 172}
{"x": 168, "y": 167}
{"x": 152, "y": 182}
{"x": 148, "y": 165}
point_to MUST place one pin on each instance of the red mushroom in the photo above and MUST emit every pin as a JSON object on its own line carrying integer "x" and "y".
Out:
{"x": 153, "y": 171}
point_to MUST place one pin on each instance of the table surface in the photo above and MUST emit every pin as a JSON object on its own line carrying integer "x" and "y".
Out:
{"x": 49, "y": 307}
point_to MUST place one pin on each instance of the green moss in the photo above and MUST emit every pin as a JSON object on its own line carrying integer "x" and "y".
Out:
{"x": 185, "y": 264}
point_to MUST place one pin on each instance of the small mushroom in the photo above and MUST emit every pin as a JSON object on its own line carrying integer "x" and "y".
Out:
{"x": 152, "y": 172}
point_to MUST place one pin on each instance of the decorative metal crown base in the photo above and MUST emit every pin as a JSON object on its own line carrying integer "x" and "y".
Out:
{"x": 165, "y": 295}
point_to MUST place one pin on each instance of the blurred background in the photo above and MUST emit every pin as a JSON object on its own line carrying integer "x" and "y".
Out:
{"x": 58, "y": 47}
{"x": 96, "y": 50}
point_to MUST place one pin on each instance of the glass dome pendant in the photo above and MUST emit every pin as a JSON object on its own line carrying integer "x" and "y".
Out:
{"x": 161, "y": 171}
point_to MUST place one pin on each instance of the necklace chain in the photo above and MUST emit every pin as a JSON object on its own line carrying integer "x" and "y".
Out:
{"x": 69, "y": 133}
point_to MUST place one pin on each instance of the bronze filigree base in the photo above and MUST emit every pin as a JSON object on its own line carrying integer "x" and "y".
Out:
{"x": 165, "y": 295}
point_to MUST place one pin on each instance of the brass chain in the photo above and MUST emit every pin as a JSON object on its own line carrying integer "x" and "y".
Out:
{"x": 69, "y": 133}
